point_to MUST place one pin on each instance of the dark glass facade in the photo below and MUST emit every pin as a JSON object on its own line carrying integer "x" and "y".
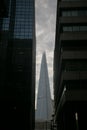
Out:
{"x": 70, "y": 65}
{"x": 24, "y": 19}
{"x": 4, "y": 5}
{"x": 17, "y": 66}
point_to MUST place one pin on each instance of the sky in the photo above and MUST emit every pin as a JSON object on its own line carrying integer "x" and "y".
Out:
{"x": 45, "y": 36}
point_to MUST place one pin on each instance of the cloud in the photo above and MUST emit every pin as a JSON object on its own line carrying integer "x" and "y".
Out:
{"x": 45, "y": 36}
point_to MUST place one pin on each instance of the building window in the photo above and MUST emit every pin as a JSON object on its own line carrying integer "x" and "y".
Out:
{"x": 24, "y": 19}
{"x": 20, "y": 68}
{"x": 70, "y": 0}
{"x": 74, "y": 28}
{"x": 75, "y": 66}
{"x": 68, "y": 13}
{"x": 21, "y": 53}
{"x": 83, "y": 28}
{"x": 67, "y": 29}
{"x": 6, "y": 21}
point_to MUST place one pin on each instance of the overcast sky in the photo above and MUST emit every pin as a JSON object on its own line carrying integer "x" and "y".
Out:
{"x": 45, "y": 36}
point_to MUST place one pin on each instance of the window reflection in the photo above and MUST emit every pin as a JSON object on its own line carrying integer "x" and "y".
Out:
{"x": 74, "y": 28}
{"x": 23, "y": 19}
{"x": 6, "y": 21}
{"x": 74, "y": 13}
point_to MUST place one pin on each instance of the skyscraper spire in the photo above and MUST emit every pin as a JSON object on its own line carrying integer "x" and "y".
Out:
{"x": 44, "y": 102}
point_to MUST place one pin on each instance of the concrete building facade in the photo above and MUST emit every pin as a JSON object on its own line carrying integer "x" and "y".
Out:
{"x": 70, "y": 65}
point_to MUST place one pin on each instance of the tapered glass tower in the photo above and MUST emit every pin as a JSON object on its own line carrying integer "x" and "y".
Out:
{"x": 44, "y": 102}
{"x": 17, "y": 65}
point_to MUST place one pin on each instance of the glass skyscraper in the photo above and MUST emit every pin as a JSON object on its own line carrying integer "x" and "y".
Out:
{"x": 17, "y": 65}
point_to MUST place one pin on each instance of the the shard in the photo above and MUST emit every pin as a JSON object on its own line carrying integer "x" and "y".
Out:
{"x": 44, "y": 101}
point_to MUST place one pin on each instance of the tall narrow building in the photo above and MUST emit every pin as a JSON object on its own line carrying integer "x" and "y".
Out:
{"x": 44, "y": 102}
{"x": 17, "y": 66}
{"x": 70, "y": 65}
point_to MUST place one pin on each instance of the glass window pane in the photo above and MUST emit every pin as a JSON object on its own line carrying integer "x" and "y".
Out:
{"x": 74, "y": 13}
{"x": 75, "y": 28}
{"x": 83, "y": 28}
{"x": 23, "y": 19}
{"x": 69, "y": 28}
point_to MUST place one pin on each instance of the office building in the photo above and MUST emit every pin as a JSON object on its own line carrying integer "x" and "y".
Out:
{"x": 17, "y": 66}
{"x": 44, "y": 111}
{"x": 70, "y": 65}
